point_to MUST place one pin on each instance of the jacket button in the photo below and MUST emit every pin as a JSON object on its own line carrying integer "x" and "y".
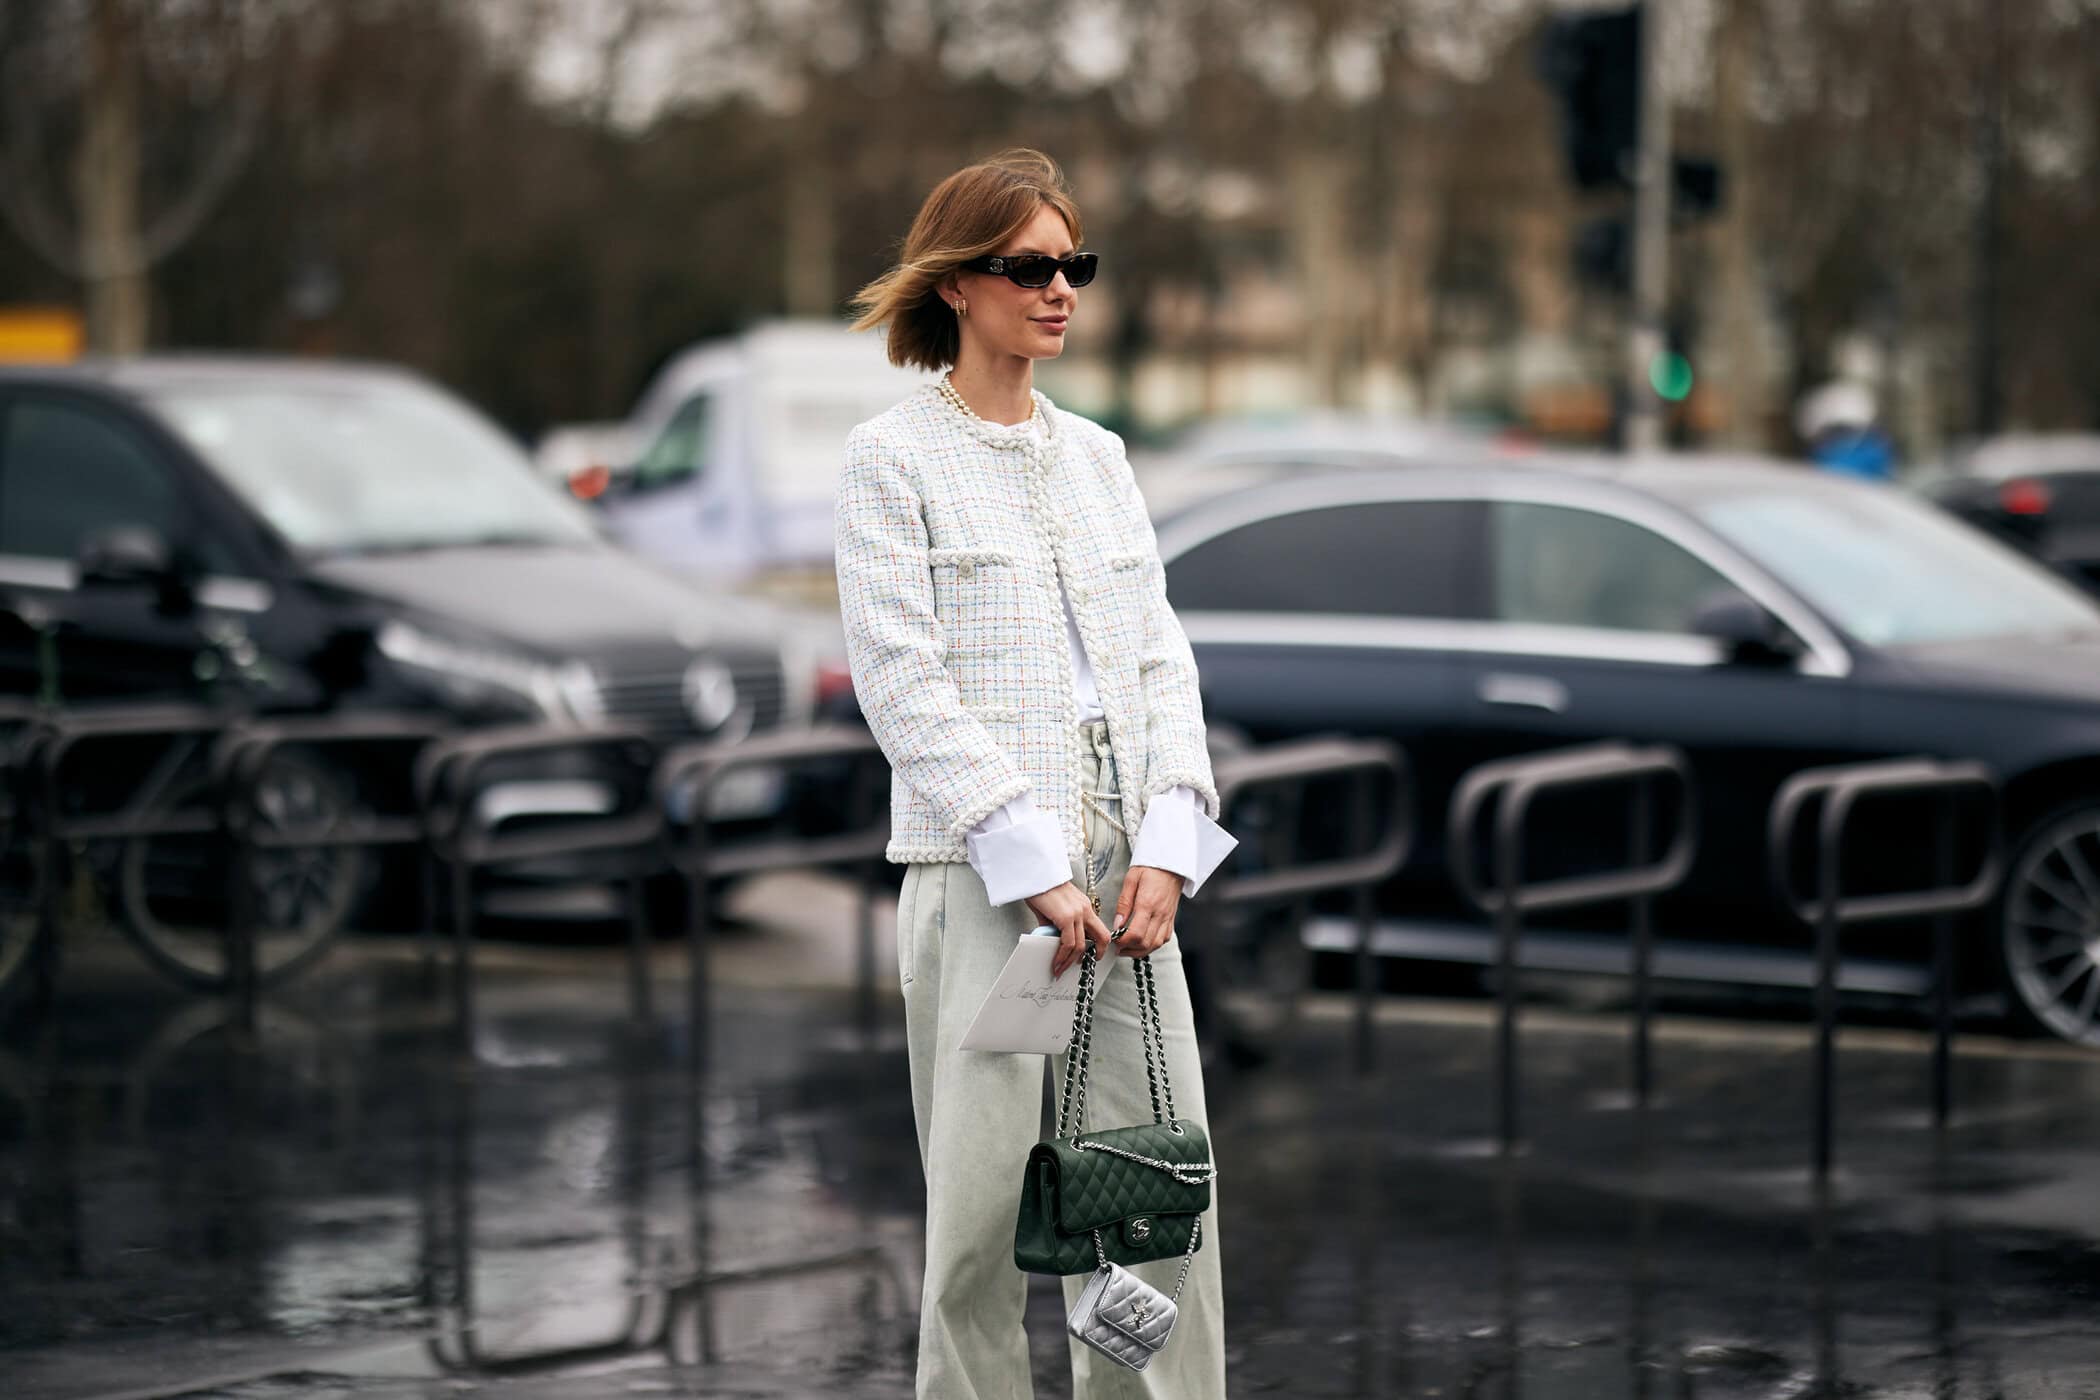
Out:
{"x": 965, "y": 570}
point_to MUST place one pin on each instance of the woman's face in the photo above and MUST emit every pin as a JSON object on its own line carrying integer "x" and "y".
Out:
{"x": 1028, "y": 322}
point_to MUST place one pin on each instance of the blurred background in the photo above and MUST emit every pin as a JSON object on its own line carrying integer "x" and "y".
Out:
{"x": 443, "y": 941}
{"x": 1401, "y": 205}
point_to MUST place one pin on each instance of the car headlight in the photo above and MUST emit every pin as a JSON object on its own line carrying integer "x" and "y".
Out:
{"x": 486, "y": 676}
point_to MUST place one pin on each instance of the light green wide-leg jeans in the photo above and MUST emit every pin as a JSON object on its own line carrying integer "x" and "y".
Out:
{"x": 978, "y": 1114}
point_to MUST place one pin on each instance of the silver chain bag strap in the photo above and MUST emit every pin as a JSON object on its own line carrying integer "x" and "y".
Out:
{"x": 1118, "y": 1314}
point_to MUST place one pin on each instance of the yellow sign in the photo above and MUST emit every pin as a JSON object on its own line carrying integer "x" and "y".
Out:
{"x": 40, "y": 335}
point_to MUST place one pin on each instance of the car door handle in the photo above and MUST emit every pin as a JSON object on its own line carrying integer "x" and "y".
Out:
{"x": 1523, "y": 692}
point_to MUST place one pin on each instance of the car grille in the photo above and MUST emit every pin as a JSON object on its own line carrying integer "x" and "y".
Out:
{"x": 649, "y": 692}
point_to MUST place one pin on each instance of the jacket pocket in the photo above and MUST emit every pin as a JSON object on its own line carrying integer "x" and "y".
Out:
{"x": 1002, "y": 721}
{"x": 977, "y": 601}
{"x": 1130, "y": 584}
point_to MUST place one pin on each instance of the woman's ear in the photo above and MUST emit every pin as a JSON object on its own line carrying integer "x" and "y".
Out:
{"x": 948, "y": 289}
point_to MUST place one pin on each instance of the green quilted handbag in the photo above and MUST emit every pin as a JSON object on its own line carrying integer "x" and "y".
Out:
{"x": 1121, "y": 1195}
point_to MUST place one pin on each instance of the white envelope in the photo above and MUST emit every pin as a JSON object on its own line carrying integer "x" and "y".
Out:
{"x": 1027, "y": 1011}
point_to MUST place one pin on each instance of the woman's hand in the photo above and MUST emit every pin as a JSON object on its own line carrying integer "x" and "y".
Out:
{"x": 1068, "y": 911}
{"x": 1145, "y": 910}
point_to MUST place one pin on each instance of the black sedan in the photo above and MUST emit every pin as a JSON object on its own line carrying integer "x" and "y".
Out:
{"x": 2039, "y": 492}
{"x": 1761, "y": 617}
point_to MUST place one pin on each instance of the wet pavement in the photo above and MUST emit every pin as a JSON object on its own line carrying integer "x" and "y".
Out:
{"x": 577, "y": 1210}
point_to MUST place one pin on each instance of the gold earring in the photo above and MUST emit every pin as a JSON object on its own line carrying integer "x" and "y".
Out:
{"x": 962, "y": 308}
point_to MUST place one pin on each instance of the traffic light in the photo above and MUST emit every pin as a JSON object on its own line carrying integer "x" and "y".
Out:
{"x": 1593, "y": 62}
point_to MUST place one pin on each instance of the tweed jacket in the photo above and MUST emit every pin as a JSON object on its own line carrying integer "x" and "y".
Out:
{"x": 951, "y": 534}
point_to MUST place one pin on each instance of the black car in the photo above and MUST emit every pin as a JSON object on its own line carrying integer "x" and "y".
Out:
{"x": 327, "y": 534}
{"x": 2039, "y": 492}
{"x": 1762, "y": 617}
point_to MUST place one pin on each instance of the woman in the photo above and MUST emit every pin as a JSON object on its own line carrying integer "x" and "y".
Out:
{"x": 1012, "y": 649}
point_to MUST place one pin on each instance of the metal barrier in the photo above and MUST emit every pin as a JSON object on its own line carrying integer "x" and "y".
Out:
{"x": 1292, "y": 766}
{"x": 1519, "y": 782}
{"x": 692, "y": 773}
{"x": 21, "y": 909}
{"x": 58, "y": 737}
{"x": 449, "y": 774}
{"x": 239, "y": 766}
{"x": 451, "y": 777}
{"x": 1830, "y": 911}
{"x": 237, "y": 752}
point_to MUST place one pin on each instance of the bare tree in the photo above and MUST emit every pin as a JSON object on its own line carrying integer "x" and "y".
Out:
{"x": 159, "y": 102}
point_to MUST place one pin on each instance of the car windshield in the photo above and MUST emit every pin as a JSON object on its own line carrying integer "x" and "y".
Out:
{"x": 369, "y": 466}
{"x": 1893, "y": 571}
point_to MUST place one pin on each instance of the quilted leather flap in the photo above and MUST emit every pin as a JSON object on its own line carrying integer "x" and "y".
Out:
{"x": 1137, "y": 1310}
{"x": 1095, "y": 1189}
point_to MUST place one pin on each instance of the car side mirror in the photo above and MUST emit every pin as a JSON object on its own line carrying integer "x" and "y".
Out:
{"x": 342, "y": 661}
{"x": 1747, "y": 633}
{"x": 137, "y": 556}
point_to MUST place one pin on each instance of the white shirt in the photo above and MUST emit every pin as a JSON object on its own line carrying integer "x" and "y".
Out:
{"x": 1018, "y": 851}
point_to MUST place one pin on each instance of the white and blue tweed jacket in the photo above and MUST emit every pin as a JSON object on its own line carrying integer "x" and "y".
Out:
{"x": 951, "y": 534}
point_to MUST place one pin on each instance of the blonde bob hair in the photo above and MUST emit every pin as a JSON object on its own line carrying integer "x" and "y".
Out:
{"x": 968, "y": 215}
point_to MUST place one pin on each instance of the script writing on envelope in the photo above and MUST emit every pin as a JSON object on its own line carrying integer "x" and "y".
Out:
{"x": 1027, "y": 1010}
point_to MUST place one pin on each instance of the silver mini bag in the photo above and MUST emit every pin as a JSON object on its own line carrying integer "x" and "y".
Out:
{"x": 1123, "y": 1317}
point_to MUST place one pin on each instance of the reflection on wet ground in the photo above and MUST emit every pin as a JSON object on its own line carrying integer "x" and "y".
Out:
{"x": 583, "y": 1210}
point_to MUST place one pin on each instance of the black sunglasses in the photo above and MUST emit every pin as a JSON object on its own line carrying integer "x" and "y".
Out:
{"x": 1036, "y": 269}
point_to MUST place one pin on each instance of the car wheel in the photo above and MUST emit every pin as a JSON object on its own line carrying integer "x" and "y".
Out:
{"x": 171, "y": 895}
{"x": 2049, "y": 925}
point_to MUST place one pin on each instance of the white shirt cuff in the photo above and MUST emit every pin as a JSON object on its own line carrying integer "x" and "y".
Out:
{"x": 1018, "y": 851}
{"x": 1178, "y": 835}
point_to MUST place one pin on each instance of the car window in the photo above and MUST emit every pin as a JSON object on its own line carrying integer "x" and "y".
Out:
{"x": 1563, "y": 566}
{"x": 1893, "y": 571}
{"x": 1380, "y": 559}
{"x": 358, "y": 464}
{"x": 69, "y": 470}
{"x": 680, "y": 449}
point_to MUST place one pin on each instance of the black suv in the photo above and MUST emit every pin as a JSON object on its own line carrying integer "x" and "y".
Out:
{"x": 316, "y": 534}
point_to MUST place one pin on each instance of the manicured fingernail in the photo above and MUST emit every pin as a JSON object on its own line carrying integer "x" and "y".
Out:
{"x": 1119, "y": 922}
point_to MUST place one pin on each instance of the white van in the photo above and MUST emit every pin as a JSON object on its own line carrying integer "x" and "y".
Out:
{"x": 738, "y": 445}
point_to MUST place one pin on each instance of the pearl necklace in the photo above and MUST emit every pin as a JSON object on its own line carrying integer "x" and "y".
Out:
{"x": 946, "y": 384}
